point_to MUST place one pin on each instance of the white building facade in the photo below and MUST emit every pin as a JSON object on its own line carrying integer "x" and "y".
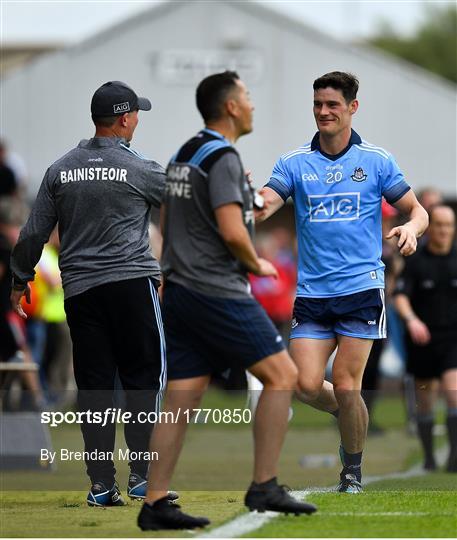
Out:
{"x": 164, "y": 53}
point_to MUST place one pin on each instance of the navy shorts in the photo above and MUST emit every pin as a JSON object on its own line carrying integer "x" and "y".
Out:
{"x": 207, "y": 335}
{"x": 361, "y": 315}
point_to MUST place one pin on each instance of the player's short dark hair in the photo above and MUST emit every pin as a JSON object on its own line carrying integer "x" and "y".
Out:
{"x": 104, "y": 121}
{"x": 338, "y": 80}
{"x": 212, "y": 93}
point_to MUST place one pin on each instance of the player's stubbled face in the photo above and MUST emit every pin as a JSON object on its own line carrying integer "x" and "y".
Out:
{"x": 331, "y": 111}
{"x": 245, "y": 108}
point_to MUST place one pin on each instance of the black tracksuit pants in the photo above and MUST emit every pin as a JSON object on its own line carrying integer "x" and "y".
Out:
{"x": 117, "y": 327}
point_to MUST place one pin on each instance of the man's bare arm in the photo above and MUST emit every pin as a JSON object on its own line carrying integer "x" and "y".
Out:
{"x": 414, "y": 228}
{"x": 273, "y": 203}
{"x": 229, "y": 219}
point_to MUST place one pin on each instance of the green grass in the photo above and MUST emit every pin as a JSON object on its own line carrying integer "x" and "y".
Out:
{"x": 214, "y": 471}
{"x": 372, "y": 514}
{"x": 435, "y": 481}
{"x": 391, "y": 508}
{"x": 54, "y": 514}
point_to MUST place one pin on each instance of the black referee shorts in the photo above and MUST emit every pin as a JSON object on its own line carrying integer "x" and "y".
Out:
{"x": 432, "y": 360}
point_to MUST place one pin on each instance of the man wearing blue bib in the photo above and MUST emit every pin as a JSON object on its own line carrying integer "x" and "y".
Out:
{"x": 337, "y": 182}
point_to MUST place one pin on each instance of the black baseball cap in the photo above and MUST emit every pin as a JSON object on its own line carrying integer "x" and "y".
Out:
{"x": 116, "y": 98}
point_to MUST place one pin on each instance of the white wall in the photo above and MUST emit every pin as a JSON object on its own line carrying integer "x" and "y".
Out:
{"x": 46, "y": 106}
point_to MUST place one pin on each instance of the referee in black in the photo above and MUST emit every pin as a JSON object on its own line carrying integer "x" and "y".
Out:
{"x": 426, "y": 299}
{"x": 100, "y": 194}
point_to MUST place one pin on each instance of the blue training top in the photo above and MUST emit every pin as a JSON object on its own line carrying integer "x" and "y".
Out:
{"x": 338, "y": 213}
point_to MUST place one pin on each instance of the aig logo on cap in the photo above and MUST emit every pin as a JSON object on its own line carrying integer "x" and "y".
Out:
{"x": 121, "y": 107}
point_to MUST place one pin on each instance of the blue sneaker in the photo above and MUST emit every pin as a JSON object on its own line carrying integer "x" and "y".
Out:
{"x": 349, "y": 484}
{"x": 136, "y": 488}
{"x": 100, "y": 495}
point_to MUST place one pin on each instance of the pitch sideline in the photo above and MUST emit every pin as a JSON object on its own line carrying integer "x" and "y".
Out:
{"x": 251, "y": 521}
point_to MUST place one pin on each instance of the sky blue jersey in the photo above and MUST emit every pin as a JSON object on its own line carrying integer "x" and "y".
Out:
{"x": 338, "y": 214}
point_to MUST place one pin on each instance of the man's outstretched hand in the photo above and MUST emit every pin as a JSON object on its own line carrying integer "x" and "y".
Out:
{"x": 407, "y": 241}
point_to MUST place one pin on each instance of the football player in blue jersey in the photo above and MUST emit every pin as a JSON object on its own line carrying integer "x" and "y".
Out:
{"x": 337, "y": 182}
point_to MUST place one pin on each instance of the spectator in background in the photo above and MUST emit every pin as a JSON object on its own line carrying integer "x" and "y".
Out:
{"x": 426, "y": 299}
{"x": 429, "y": 197}
{"x": 13, "y": 344}
{"x": 56, "y": 361}
{"x": 35, "y": 326}
{"x": 276, "y": 295}
{"x": 8, "y": 180}
{"x": 286, "y": 248}
{"x": 10, "y": 222}
{"x": 17, "y": 164}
